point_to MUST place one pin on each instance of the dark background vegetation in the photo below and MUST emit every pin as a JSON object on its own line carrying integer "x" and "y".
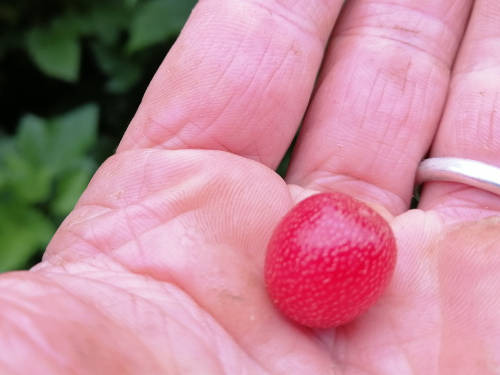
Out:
{"x": 72, "y": 73}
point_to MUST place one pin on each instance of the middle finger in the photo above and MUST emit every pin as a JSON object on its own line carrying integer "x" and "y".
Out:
{"x": 379, "y": 98}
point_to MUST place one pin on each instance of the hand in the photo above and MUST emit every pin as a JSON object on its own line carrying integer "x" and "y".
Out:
{"x": 159, "y": 268}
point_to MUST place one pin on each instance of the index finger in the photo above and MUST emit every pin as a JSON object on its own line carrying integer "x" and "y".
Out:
{"x": 238, "y": 78}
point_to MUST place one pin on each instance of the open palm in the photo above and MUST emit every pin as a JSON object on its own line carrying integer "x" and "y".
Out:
{"x": 159, "y": 268}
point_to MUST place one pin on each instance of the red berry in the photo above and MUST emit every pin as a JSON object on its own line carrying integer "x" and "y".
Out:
{"x": 328, "y": 260}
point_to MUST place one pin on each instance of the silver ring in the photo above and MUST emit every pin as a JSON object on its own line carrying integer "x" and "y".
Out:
{"x": 465, "y": 171}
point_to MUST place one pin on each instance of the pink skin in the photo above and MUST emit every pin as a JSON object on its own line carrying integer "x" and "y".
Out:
{"x": 159, "y": 267}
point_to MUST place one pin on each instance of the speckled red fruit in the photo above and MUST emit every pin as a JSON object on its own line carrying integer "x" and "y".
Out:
{"x": 328, "y": 260}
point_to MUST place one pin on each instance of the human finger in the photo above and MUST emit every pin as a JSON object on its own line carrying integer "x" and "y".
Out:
{"x": 238, "y": 78}
{"x": 471, "y": 122}
{"x": 380, "y": 96}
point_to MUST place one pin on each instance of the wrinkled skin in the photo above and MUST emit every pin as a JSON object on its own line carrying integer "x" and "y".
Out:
{"x": 159, "y": 268}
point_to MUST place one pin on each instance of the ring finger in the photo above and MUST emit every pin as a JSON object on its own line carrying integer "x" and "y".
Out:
{"x": 471, "y": 123}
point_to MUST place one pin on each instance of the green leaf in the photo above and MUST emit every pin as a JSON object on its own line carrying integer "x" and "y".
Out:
{"x": 32, "y": 138}
{"x": 123, "y": 79}
{"x": 55, "y": 52}
{"x": 156, "y": 20}
{"x": 68, "y": 22}
{"x": 70, "y": 186}
{"x": 4, "y": 180}
{"x": 71, "y": 135}
{"x": 7, "y": 146}
{"x": 123, "y": 73}
{"x": 130, "y": 3}
{"x": 28, "y": 182}
{"x": 23, "y": 231}
{"x": 107, "y": 20}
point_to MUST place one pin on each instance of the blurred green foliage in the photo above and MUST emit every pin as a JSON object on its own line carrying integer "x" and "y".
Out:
{"x": 82, "y": 67}
{"x": 43, "y": 170}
